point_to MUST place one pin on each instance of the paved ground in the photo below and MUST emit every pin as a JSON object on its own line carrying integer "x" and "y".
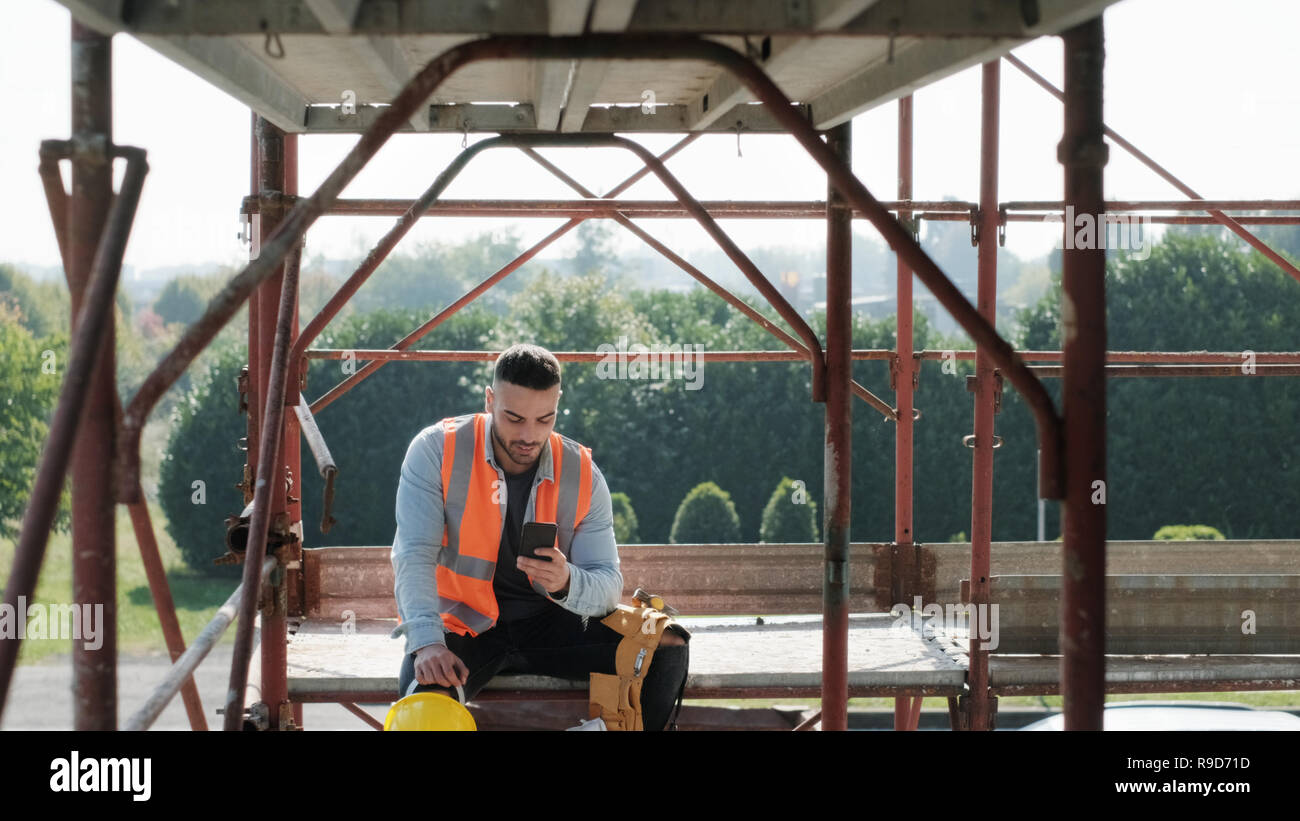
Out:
{"x": 41, "y": 695}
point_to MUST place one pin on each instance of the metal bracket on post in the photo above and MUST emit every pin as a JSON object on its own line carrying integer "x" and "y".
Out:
{"x": 246, "y": 486}
{"x": 271, "y": 204}
{"x": 91, "y": 149}
{"x": 959, "y": 712}
{"x": 894, "y": 367}
{"x": 288, "y": 486}
{"x": 972, "y": 387}
{"x": 1002, "y": 226}
{"x": 243, "y": 387}
{"x": 913, "y": 225}
{"x": 974, "y": 227}
{"x": 274, "y": 594}
{"x": 257, "y": 716}
{"x": 286, "y": 716}
{"x": 836, "y": 572}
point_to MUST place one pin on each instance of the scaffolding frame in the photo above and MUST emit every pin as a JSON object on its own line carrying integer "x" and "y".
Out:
{"x": 97, "y": 439}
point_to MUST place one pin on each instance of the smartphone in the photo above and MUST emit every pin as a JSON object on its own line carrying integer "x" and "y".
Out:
{"x": 535, "y": 535}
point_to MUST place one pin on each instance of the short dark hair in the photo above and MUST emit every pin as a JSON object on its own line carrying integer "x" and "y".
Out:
{"x": 529, "y": 366}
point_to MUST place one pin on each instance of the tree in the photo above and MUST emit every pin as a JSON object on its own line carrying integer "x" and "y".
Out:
{"x": 790, "y": 516}
{"x": 706, "y": 515}
{"x": 1190, "y": 449}
{"x": 595, "y": 252}
{"x": 31, "y": 371}
{"x": 624, "y": 519}
{"x": 42, "y": 306}
{"x": 182, "y": 300}
{"x": 435, "y": 275}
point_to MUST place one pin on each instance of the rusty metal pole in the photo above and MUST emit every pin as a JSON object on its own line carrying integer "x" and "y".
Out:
{"x": 277, "y": 660}
{"x": 94, "y": 543}
{"x": 166, "y": 607}
{"x": 903, "y": 375}
{"x": 261, "y": 523}
{"x": 980, "y": 707}
{"x": 275, "y": 626}
{"x": 255, "y": 379}
{"x": 277, "y": 174}
{"x": 1083, "y": 152}
{"x": 57, "y": 200}
{"x": 89, "y": 328}
{"x": 839, "y": 441}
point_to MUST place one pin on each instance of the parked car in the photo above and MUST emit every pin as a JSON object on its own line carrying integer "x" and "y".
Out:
{"x": 1182, "y": 715}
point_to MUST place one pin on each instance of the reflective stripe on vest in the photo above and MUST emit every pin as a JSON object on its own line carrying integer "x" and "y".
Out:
{"x": 472, "y": 501}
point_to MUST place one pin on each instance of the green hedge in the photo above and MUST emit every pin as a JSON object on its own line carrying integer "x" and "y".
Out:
{"x": 790, "y": 516}
{"x": 625, "y": 528}
{"x": 707, "y": 515}
{"x": 1188, "y": 532}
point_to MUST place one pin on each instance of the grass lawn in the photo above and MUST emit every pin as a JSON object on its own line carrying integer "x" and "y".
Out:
{"x": 138, "y": 631}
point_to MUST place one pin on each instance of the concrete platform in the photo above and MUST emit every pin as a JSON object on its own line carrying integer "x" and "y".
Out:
{"x": 730, "y": 657}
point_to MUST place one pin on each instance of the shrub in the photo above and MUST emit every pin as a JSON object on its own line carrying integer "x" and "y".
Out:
{"x": 1188, "y": 532}
{"x": 787, "y": 519}
{"x": 706, "y": 515}
{"x": 204, "y": 447}
{"x": 625, "y": 531}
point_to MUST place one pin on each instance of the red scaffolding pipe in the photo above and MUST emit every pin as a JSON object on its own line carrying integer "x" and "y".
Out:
{"x": 1185, "y": 357}
{"x": 57, "y": 200}
{"x": 1083, "y": 154}
{"x": 1156, "y": 219}
{"x": 837, "y": 517}
{"x": 904, "y": 370}
{"x": 593, "y": 206}
{"x": 94, "y": 521}
{"x": 285, "y": 240}
{"x": 96, "y": 706}
{"x": 980, "y": 707}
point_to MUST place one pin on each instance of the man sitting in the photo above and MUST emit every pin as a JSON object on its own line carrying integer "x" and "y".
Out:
{"x": 470, "y": 605}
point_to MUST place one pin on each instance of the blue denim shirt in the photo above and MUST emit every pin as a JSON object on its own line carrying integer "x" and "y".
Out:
{"x": 595, "y": 582}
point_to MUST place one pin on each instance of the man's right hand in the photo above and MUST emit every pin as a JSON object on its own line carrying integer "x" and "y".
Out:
{"x": 435, "y": 664}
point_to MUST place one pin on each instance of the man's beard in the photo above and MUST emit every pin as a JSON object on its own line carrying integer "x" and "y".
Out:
{"x": 519, "y": 459}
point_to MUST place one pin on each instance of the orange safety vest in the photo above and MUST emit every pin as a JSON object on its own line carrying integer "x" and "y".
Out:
{"x": 473, "y": 500}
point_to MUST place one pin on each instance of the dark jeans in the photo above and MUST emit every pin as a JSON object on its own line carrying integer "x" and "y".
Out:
{"x": 565, "y": 645}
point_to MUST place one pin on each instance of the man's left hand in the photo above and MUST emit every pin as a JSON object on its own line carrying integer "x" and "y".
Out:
{"x": 552, "y": 575}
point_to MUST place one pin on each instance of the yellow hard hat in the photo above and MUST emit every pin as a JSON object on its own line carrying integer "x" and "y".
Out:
{"x": 429, "y": 711}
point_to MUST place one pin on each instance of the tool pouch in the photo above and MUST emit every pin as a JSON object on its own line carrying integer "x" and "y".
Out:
{"x": 617, "y": 699}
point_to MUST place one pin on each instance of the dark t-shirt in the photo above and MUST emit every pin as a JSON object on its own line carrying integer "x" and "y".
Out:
{"x": 516, "y": 598}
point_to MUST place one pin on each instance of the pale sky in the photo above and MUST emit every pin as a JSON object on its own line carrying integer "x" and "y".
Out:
{"x": 1206, "y": 87}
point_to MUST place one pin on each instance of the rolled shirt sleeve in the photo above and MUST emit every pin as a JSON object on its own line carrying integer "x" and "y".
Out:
{"x": 595, "y": 581}
{"x": 418, "y": 540}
